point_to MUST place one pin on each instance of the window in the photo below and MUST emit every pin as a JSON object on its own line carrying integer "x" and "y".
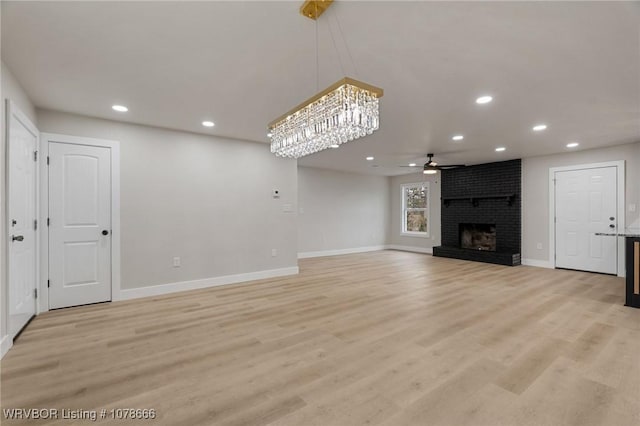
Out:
{"x": 415, "y": 209}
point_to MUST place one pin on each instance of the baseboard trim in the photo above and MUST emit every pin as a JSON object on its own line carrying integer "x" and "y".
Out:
{"x": 5, "y": 344}
{"x": 158, "y": 290}
{"x": 426, "y": 250}
{"x": 339, "y": 252}
{"x": 538, "y": 263}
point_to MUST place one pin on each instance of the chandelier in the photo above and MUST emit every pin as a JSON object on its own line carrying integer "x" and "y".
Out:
{"x": 345, "y": 111}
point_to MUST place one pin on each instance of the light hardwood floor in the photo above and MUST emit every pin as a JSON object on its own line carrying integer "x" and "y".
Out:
{"x": 387, "y": 338}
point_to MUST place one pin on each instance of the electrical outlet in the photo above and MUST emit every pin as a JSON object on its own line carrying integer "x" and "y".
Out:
{"x": 176, "y": 262}
{"x": 539, "y": 246}
{"x": 274, "y": 252}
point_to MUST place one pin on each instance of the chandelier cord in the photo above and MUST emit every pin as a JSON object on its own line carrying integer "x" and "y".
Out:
{"x": 344, "y": 40}
{"x": 335, "y": 46}
{"x": 317, "y": 55}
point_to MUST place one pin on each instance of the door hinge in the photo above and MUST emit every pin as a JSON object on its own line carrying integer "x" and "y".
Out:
{"x": 35, "y": 155}
{"x": 48, "y": 221}
{"x": 48, "y": 283}
{"x": 35, "y": 224}
{"x": 35, "y": 293}
{"x": 47, "y": 160}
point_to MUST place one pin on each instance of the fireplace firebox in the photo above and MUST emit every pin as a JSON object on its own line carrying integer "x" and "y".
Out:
{"x": 478, "y": 236}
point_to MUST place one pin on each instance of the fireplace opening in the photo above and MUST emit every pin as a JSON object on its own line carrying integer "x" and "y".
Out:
{"x": 478, "y": 236}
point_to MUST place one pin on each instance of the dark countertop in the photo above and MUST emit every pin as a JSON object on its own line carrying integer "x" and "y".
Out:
{"x": 615, "y": 234}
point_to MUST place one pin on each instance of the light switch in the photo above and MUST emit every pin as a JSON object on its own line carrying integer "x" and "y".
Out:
{"x": 632, "y": 207}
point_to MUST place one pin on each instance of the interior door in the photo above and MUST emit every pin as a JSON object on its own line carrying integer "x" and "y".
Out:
{"x": 79, "y": 224}
{"x": 22, "y": 214}
{"x": 586, "y": 203}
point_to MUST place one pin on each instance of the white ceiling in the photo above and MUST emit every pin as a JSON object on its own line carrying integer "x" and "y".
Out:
{"x": 572, "y": 65}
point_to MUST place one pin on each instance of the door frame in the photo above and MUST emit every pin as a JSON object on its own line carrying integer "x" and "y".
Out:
{"x": 45, "y": 140}
{"x": 11, "y": 109}
{"x": 620, "y": 208}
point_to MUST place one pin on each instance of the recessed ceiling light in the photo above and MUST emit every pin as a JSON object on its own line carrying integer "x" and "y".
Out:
{"x": 500, "y": 149}
{"x": 484, "y": 99}
{"x": 572, "y": 144}
{"x": 370, "y": 158}
{"x": 457, "y": 137}
{"x": 334, "y": 146}
{"x": 208, "y": 123}
{"x": 412, "y": 164}
{"x": 430, "y": 171}
{"x": 539, "y": 127}
{"x": 120, "y": 108}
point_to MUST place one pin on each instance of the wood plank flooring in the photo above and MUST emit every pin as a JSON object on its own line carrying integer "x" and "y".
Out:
{"x": 383, "y": 338}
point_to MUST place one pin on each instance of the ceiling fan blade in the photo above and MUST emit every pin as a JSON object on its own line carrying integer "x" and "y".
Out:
{"x": 450, "y": 166}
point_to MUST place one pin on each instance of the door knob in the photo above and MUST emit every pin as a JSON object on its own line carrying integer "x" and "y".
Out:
{"x": 105, "y": 232}
{"x": 17, "y": 238}
{"x": 612, "y": 226}
{"x": 612, "y": 218}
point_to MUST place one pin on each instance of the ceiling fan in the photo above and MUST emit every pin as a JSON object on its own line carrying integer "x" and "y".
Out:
{"x": 431, "y": 167}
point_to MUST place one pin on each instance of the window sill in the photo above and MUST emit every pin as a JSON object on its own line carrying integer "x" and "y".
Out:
{"x": 415, "y": 234}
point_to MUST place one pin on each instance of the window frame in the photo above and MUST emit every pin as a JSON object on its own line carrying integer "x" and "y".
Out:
{"x": 427, "y": 210}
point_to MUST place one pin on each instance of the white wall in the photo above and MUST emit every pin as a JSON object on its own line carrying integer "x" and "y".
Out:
{"x": 341, "y": 211}
{"x": 535, "y": 191}
{"x": 205, "y": 199}
{"x": 10, "y": 89}
{"x": 396, "y": 240}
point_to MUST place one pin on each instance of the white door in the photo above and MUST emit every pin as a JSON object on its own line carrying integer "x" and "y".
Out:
{"x": 79, "y": 224}
{"x": 586, "y": 203}
{"x": 22, "y": 214}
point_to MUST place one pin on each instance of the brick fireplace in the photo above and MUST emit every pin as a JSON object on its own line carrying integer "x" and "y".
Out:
{"x": 481, "y": 213}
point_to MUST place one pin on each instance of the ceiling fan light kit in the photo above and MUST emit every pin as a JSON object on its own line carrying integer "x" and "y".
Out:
{"x": 345, "y": 111}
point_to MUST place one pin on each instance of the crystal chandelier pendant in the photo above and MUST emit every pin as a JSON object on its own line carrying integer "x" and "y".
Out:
{"x": 345, "y": 111}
